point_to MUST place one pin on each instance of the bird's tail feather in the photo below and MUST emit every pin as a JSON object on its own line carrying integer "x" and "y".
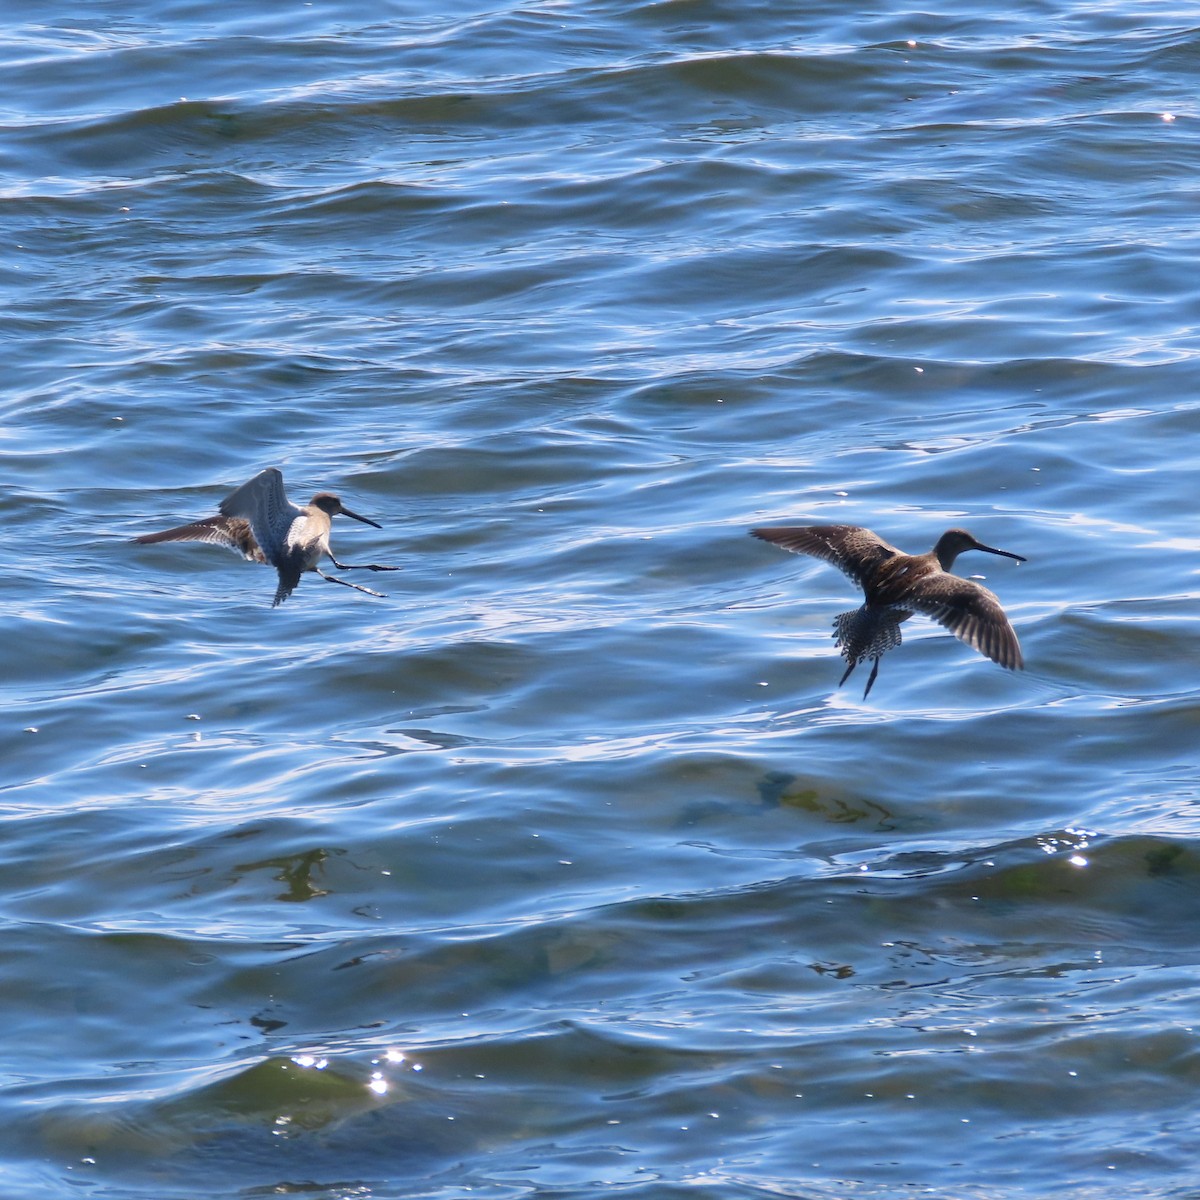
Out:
{"x": 865, "y": 633}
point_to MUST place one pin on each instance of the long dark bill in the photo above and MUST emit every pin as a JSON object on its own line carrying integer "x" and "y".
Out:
{"x": 1002, "y": 553}
{"x": 367, "y": 521}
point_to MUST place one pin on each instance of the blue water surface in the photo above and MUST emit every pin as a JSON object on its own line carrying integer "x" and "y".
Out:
{"x": 566, "y": 869}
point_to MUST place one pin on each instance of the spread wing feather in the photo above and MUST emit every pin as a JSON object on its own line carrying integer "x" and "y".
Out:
{"x": 263, "y": 502}
{"x": 231, "y": 532}
{"x": 973, "y": 615}
{"x": 855, "y": 551}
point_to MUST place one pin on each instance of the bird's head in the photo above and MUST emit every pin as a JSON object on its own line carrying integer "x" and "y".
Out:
{"x": 331, "y": 504}
{"x": 953, "y": 542}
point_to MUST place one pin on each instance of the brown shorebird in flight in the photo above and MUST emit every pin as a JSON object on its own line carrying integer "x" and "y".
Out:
{"x": 263, "y": 525}
{"x": 896, "y": 585}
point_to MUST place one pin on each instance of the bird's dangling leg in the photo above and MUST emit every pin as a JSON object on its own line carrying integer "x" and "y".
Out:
{"x": 341, "y": 566}
{"x": 874, "y": 672}
{"x": 347, "y": 583}
{"x": 853, "y": 664}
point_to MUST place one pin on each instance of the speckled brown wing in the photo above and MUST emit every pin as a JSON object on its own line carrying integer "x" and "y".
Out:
{"x": 855, "y": 551}
{"x": 231, "y": 532}
{"x": 972, "y": 614}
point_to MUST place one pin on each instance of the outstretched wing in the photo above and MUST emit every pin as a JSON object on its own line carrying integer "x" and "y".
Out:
{"x": 232, "y": 532}
{"x": 264, "y": 504}
{"x": 853, "y": 550}
{"x": 973, "y": 615}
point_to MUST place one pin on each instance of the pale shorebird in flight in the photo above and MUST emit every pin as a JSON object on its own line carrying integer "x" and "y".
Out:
{"x": 896, "y": 585}
{"x": 263, "y": 525}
